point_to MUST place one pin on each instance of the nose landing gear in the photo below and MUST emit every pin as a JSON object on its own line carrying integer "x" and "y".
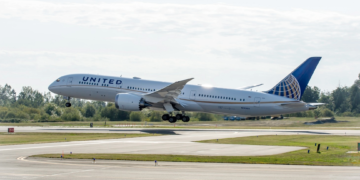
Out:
{"x": 68, "y": 104}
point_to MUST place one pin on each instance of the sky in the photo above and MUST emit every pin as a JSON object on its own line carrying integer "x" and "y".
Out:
{"x": 231, "y": 44}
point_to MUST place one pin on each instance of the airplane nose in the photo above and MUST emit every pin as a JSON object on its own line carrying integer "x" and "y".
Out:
{"x": 51, "y": 87}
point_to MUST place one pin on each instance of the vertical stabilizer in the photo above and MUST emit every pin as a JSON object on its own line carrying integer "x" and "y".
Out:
{"x": 294, "y": 84}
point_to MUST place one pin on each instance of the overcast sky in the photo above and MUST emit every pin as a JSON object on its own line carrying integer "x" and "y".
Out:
{"x": 228, "y": 44}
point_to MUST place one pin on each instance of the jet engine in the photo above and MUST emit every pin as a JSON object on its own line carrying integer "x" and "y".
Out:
{"x": 130, "y": 102}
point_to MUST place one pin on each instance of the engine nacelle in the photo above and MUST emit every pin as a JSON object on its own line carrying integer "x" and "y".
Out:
{"x": 130, "y": 102}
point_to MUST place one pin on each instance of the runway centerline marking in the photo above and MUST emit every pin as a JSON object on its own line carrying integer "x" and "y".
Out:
{"x": 92, "y": 143}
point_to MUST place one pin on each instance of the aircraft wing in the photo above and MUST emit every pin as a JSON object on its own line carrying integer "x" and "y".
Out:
{"x": 168, "y": 93}
{"x": 252, "y": 86}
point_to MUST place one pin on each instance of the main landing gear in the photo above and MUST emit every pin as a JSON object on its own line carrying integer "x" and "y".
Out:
{"x": 173, "y": 119}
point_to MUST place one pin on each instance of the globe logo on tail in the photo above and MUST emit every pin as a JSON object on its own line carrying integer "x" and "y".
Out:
{"x": 289, "y": 87}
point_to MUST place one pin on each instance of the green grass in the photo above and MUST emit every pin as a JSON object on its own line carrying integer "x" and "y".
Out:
{"x": 32, "y": 138}
{"x": 291, "y": 123}
{"x": 336, "y": 155}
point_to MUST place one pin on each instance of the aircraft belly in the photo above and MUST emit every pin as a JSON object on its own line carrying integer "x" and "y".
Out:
{"x": 189, "y": 106}
{"x": 249, "y": 109}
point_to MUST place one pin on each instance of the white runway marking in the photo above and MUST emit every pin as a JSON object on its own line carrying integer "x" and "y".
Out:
{"x": 92, "y": 143}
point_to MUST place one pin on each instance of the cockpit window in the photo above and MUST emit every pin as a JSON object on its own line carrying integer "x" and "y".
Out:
{"x": 58, "y": 80}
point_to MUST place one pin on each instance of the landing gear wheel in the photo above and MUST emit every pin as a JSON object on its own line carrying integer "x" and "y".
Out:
{"x": 172, "y": 119}
{"x": 68, "y": 104}
{"x": 179, "y": 116}
{"x": 165, "y": 117}
{"x": 257, "y": 118}
{"x": 185, "y": 119}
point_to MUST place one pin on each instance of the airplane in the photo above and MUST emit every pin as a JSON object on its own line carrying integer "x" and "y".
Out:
{"x": 136, "y": 94}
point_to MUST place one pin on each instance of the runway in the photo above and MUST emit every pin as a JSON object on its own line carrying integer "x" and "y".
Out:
{"x": 15, "y": 165}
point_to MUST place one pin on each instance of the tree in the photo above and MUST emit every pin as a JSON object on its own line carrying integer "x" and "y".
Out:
{"x": 357, "y": 82}
{"x": 205, "y": 117}
{"x": 326, "y": 97}
{"x": 30, "y": 97}
{"x": 89, "y": 110}
{"x": 311, "y": 94}
{"x": 355, "y": 98}
{"x": 71, "y": 114}
{"x": 76, "y": 102}
{"x": 7, "y": 95}
{"x": 59, "y": 100}
{"x": 340, "y": 95}
{"x": 327, "y": 113}
{"x": 47, "y": 97}
{"x": 111, "y": 112}
{"x": 52, "y": 109}
{"x": 155, "y": 116}
{"x": 136, "y": 116}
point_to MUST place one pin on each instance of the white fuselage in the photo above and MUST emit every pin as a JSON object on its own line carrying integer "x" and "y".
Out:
{"x": 192, "y": 98}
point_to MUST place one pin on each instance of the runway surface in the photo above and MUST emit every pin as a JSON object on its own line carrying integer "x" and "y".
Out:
{"x": 15, "y": 165}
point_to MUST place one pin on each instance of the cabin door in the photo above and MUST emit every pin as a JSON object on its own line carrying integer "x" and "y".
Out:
{"x": 257, "y": 102}
{"x": 193, "y": 94}
{"x": 69, "y": 81}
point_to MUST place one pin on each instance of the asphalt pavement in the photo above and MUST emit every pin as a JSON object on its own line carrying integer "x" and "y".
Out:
{"x": 15, "y": 164}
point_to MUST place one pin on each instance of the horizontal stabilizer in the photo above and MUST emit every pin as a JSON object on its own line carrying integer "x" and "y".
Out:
{"x": 316, "y": 104}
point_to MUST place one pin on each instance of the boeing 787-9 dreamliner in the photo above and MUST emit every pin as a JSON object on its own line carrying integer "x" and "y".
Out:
{"x": 136, "y": 94}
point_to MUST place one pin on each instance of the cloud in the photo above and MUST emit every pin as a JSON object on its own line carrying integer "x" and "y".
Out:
{"x": 122, "y": 38}
{"x": 174, "y": 18}
{"x": 233, "y": 30}
{"x": 221, "y": 41}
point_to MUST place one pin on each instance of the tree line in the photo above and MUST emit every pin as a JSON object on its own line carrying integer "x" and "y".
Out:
{"x": 30, "y": 104}
{"x": 343, "y": 101}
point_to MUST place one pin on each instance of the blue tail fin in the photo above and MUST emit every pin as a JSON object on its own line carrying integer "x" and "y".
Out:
{"x": 293, "y": 85}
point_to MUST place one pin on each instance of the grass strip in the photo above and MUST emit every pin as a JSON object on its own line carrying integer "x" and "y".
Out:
{"x": 290, "y": 123}
{"x": 33, "y": 138}
{"x": 335, "y": 156}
